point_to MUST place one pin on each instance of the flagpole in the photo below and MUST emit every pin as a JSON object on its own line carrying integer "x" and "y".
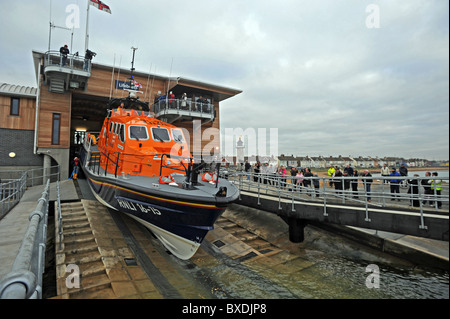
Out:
{"x": 86, "y": 42}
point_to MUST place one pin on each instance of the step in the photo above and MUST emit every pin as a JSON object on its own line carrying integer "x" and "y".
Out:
{"x": 92, "y": 268}
{"x": 92, "y": 287}
{"x": 80, "y": 247}
{"x": 225, "y": 224}
{"x": 77, "y": 231}
{"x": 236, "y": 230}
{"x": 78, "y": 238}
{"x": 83, "y": 257}
{"x": 247, "y": 237}
{"x": 76, "y": 224}
{"x": 258, "y": 243}
{"x": 75, "y": 218}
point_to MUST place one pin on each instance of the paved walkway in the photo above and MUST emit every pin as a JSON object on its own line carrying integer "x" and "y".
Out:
{"x": 14, "y": 225}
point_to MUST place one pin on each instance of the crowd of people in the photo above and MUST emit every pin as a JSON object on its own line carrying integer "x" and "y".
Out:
{"x": 277, "y": 176}
{"x": 184, "y": 103}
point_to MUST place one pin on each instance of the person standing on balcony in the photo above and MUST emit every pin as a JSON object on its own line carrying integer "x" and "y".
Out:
{"x": 64, "y": 51}
{"x": 199, "y": 103}
{"x": 88, "y": 58}
{"x": 184, "y": 101}
{"x": 171, "y": 100}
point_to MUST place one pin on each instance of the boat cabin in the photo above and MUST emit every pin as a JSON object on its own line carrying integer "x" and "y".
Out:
{"x": 133, "y": 142}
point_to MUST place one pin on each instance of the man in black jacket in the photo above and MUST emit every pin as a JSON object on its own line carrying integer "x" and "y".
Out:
{"x": 426, "y": 187}
{"x": 64, "y": 52}
{"x": 368, "y": 183}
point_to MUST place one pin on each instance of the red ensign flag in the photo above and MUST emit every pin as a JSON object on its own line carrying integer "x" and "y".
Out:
{"x": 100, "y": 5}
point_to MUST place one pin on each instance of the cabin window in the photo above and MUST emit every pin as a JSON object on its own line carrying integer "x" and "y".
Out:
{"x": 138, "y": 132}
{"x": 122, "y": 133}
{"x": 177, "y": 135}
{"x": 56, "y": 127}
{"x": 116, "y": 128}
{"x": 111, "y": 125}
{"x": 14, "y": 110}
{"x": 160, "y": 134}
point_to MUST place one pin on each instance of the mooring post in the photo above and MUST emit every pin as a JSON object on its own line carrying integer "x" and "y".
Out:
{"x": 296, "y": 229}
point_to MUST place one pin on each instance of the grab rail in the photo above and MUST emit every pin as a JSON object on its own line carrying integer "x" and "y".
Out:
{"x": 25, "y": 279}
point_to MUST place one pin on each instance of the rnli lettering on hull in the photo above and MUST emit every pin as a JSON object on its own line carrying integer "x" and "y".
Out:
{"x": 137, "y": 207}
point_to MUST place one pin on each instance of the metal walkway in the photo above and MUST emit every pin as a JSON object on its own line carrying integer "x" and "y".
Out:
{"x": 298, "y": 204}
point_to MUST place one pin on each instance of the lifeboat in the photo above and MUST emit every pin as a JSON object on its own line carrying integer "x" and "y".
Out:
{"x": 142, "y": 167}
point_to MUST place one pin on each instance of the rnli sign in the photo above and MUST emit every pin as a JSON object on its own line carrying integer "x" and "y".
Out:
{"x": 127, "y": 85}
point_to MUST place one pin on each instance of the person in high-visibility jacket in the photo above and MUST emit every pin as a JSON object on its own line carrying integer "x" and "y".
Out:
{"x": 436, "y": 188}
{"x": 331, "y": 173}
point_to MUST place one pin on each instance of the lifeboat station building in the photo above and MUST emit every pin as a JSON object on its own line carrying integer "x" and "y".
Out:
{"x": 43, "y": 126}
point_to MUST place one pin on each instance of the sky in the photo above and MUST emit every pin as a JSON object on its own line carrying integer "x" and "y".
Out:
{"x": 332, "y": 77}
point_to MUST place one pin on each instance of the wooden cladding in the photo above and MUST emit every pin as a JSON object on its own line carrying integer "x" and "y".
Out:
{"x": 26, "y": 111}
{"x": 49, "y": 105}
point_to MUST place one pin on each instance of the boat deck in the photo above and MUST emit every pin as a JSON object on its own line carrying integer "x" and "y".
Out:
{"x": 202, "y": 191}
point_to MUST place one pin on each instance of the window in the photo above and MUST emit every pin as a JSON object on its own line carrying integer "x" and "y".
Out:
{"x": 177, "y": 135}
{"x": 160, "y": 134}
{"x": 138, "y": 132}
{"x": 15, "y": 106}
{"x": 56, "y": 126}
{"x": 122, "y": 133}
{"x": 111, "y": 125}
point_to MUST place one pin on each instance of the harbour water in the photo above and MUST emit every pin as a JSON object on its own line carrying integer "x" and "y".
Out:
{"x": 325, "y": 266}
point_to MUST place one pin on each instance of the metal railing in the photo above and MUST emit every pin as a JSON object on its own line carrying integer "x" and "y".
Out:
{"x": 14, "y": 183}
{"x": 10, "y": 193}
{"x": 165, "y": 106}
{"x": 70, "y": 61}
{"x": 25, "y": 279}
{"x": 338, "y": 190}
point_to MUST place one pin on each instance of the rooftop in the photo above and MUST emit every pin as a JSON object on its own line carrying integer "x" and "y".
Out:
{"x": 17, "y": 90}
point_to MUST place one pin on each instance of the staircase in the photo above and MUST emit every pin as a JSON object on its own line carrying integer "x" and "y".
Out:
{"x": 79, "y": 249}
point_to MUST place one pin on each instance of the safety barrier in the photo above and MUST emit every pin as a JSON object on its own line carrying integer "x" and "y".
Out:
{"x": 25, "y": 279}
{"x": 371, "y": 191}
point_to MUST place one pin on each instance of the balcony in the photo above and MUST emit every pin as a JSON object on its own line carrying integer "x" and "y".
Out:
{"x": 176, "y": 110}
{"x": 64, "y": 73}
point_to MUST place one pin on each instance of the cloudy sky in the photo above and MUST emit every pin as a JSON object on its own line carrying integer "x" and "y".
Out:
{"x": 335, "y": 77}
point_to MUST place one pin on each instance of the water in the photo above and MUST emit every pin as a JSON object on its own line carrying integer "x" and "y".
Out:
{"x": 325, "y": 266}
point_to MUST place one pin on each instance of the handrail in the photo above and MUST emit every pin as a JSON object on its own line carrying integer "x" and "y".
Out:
{"x": 25, "y": 279}
{"x": 13, "y": 188}
{"x": 376, "y": 196}
{"x": 166, "y": 105}
{"x": 72, "y": 61}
